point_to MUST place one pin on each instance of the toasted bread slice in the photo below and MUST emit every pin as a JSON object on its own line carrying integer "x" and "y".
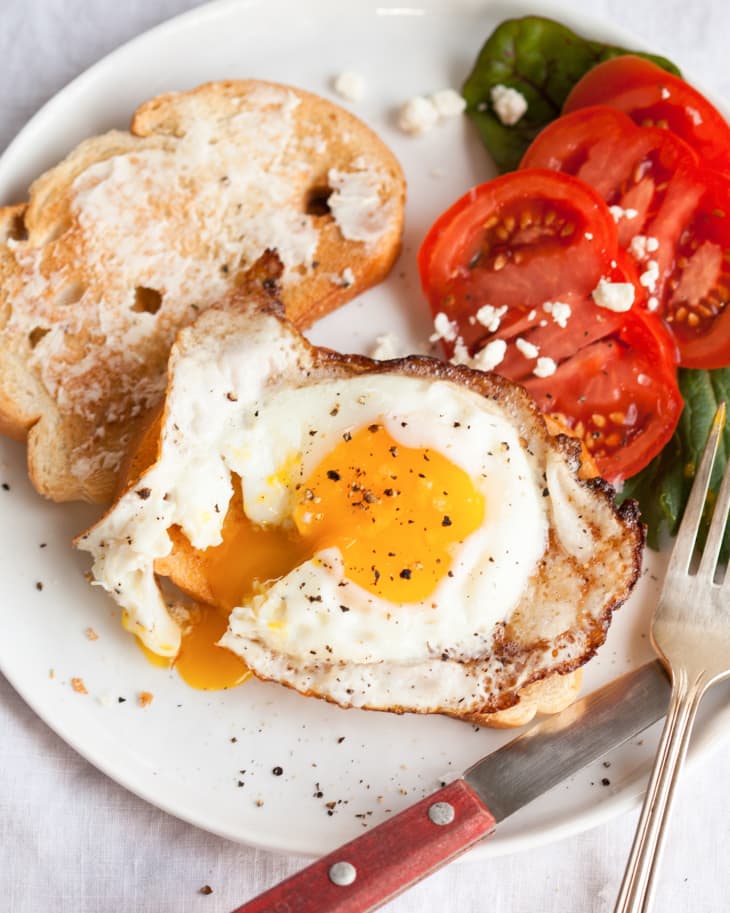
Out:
{"x": 135, "y": 233}
{"x": 172, "y": 513}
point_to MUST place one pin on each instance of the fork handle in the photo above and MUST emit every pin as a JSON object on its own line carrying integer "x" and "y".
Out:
{"x": 637, "y": 887}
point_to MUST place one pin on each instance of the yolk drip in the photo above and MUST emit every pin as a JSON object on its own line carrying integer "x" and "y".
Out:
{"x": 396, "y": 513}
{"x": 200, "y": 662}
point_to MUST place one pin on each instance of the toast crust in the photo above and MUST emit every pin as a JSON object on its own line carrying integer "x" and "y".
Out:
{"x": 135, "y": 233}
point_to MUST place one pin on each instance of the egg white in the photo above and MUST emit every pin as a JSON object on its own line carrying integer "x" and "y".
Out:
{"x": 250, "y": 410}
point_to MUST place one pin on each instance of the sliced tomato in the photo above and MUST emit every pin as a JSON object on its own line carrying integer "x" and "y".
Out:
{"x": 517, "y": 242}
{"x": 695, "y": 287}
{"x": 667, "y": 199}
{"x": 653, "y": 97}
{"x": 635, "y": 169}
{"x": 619, "y": 395}
{"x": 605, "y": 363}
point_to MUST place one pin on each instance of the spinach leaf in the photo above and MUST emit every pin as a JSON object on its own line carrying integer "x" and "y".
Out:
{"x": 663, "y": 487}
{"x": 542, "y": 60}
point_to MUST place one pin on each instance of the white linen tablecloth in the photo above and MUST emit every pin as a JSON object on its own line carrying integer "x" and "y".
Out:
{"x": 73, "y": 841}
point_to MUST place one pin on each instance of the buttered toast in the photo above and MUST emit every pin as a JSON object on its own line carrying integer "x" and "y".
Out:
{"x": 135, "y": 233}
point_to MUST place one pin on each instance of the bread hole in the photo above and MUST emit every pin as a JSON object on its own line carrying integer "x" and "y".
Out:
{"x": 18, "y": 231}
{"x": 71, "y": 293}
{"x": 317, "y": 202}
{"x": 148, "y": 300}
{"x": 35, "y": 335}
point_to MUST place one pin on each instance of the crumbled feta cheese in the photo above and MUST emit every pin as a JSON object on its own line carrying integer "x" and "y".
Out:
{"x": 650, "y": 276}
{"x": 614, "y": 296}
{"x": 417, "y": 115}
{"x": 509, "y": 104}
{"x": 490, "y": 317}
{"x": 618, "y": 213}
{"x": 652, "y": 304}
{"x": 559, "y": 310}
{"x": 348, "y": 277}
{"x": 545, "y": 367}
{"x": 443, "y": 328}
{"x": 531, "y": 316}
{"x": 448, "y": 103}
{"x": 350, "y": 86}
{"x": 461, "y": 353}
{"x": 491, "y": 355}
{"x": 643, "y": 379}
{"x": 387, "y": 346}
{"x": 527, "y": 348}
{"x": 665, "y": 93}
{"x": 641, "y": 245}
{"x": 588, "y": 236}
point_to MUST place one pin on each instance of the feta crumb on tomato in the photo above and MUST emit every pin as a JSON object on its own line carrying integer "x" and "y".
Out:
{"x": 665, "y": 93}
{"x": 448, "y": 103}
{"x": 490, "y": 356}
{"x": 417, "y": 115}
{"x": 350, "y": 86}
{"x": 560, "y": 312}
{"x": 526, "y": 348}
{"x": 509, "y": 104}
{"x": 618, "y": 213}
{"x": 545, "y": 367}
{"x": 652, "y": 304}
{"x": 588, "y": 235}
{"x": 650, "y": 276}
{"x": 443, "y": 328}
{"x": 614, "y": 296}
{"x": 643, "y": 245}
{"x": 490, "y": 317}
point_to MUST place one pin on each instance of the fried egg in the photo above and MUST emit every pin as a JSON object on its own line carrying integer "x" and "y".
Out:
{"x": 402, "y": 535}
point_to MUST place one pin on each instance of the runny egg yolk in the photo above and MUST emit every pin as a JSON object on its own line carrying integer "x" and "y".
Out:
{"x": 395, "y": 513}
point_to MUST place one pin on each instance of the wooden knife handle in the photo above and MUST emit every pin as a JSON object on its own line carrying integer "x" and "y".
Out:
{"x": 373, "y": 868}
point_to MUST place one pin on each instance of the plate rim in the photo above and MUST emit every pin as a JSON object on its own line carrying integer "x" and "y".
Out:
{"x": 538, "y": 835}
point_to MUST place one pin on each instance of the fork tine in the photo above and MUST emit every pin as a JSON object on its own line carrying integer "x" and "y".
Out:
{"x": 687, "y": 535}
{"x": 717, "y": 529}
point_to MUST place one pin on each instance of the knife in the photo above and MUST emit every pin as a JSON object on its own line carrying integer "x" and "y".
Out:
{"x": 372, "y": 869}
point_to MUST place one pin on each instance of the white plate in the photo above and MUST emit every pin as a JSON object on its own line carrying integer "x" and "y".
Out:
{"x": 189, "y": 750}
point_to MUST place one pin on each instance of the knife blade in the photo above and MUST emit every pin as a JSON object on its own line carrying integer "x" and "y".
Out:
{"x": 372, "y": 869}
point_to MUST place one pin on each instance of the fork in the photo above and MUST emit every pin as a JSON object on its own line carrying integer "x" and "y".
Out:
{"x": 691, "y": 633}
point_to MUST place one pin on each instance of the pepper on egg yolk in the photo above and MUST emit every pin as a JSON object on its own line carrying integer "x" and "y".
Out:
{"x": 394, "y": 512}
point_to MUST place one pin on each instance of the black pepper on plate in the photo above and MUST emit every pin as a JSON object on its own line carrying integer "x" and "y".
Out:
{"x": 277, "y": 771}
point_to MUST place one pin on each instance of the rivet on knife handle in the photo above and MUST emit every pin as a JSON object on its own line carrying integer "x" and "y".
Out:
{"x": 373, "y": 868}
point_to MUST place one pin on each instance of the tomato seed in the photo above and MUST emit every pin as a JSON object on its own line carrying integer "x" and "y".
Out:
{"x": 550, "y": 217}
{"x": 598, "y": 420}
{"x": 500, "y": 261}
{"x": 693, "y": 320}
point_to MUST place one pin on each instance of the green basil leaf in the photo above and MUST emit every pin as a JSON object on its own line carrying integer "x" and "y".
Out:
{"x": 542, "y": 60}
